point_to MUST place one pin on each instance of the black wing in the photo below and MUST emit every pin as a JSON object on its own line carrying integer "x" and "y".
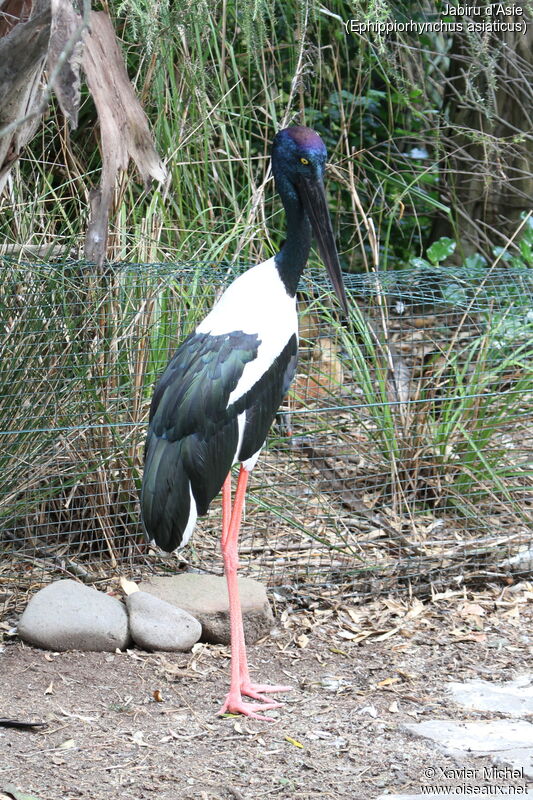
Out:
{"x": 264, "y": 399}
{"x": 192, "y": 435}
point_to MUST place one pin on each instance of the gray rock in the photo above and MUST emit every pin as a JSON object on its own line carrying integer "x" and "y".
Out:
{"x": 508, "y": 742}
{"x": 514, "y": 698}
{"x": 206, "y": 598}
{"x": 157, "y": 625}
{"x": 66, "y": 615}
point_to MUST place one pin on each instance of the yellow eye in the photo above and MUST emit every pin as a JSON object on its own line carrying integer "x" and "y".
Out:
{"x": 304, "y": 161}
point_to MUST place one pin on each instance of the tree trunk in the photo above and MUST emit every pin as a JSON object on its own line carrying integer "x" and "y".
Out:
{"x": 49, "y": 34}
{"x": 23, "y": 50}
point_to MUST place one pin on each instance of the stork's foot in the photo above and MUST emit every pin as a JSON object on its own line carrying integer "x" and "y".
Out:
{"x": 258, "y": 690}
{"x": 234, "y": 704}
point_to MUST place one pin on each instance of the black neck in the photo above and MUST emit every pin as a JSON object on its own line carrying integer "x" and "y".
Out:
{"x": 292, "y": 257}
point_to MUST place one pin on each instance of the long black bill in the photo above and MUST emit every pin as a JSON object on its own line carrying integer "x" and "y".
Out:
{"x": 313, "y": 197}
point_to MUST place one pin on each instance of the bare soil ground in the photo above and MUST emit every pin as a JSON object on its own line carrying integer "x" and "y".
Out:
{"x": 359, "y": 672}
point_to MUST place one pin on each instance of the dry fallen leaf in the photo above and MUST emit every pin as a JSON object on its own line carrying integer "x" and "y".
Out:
{"x": 387, "y": 682}
{"x": 81, "y": 717}
{"x": 294, "y": 742}
{"x": 284, "y": 619}
{"x": 68, "y": 744}
{"x": 386, "y": 635}
{"x": 407, "y": 676}
{"x": 417, "y": 607}
{"x": 344, "y": 634}
{"x": 171, "y": 736}
{"x": 371, "y": 710}
{"x": 461, "y": 636}
{"x": 338, "y": 652}
{"x": 50, "y": 688}
{"x": 355, "y": 614}
{"x": 302, "y": 640}
{"x": 127, "y": 586}
{"x": 471, "y": 610}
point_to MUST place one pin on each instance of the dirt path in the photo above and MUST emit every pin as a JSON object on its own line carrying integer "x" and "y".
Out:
{"x": 360, "y": 672}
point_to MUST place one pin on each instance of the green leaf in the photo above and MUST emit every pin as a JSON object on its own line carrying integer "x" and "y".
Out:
{"x": 441, "y": 249}
{"x": 454, "y": 293}
{"x": 502, "y": 252}
{"x": 420, "y": 263}
{"x": 475, "y": 261}
{"x": 527, "y": 252}
{"x": 528, "y": 228}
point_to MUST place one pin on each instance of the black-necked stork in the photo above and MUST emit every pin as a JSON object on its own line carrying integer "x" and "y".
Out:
{"x": 215, "y": 402}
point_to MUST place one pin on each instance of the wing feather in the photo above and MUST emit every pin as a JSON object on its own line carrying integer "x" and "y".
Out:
{"x": 193, "y": 434}
{"x": 264, "y": 399}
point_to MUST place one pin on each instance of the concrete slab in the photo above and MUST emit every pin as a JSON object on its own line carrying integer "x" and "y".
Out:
{"x": 513, "y": 698}
{"x": 453, "y": 794}
{"x": 508, "y": 742}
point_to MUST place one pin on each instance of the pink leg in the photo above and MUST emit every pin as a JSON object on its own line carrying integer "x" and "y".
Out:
{"x": 248, "y": 688}
{"x": 240, "y": 680}
{"x": 254, "y": 690}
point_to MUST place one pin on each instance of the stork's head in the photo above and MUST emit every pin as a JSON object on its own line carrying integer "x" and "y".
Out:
{"x": 298, "y": 163}
{"x": 298, "y": 152}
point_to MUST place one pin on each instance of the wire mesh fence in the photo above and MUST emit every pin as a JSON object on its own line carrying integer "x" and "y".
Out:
{"x": 403, "y": 454}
